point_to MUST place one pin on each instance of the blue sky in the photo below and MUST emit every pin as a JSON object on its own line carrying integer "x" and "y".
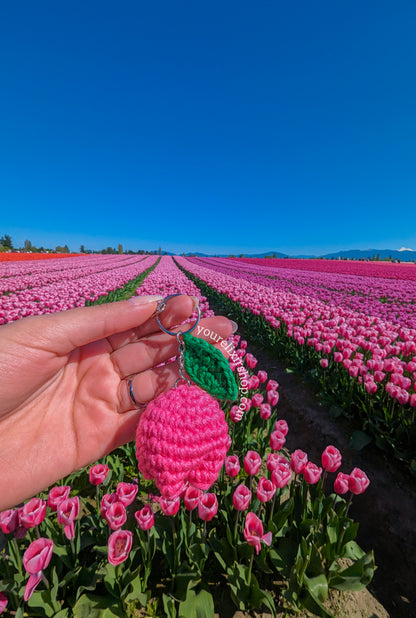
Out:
{"x": 219, "y": 127}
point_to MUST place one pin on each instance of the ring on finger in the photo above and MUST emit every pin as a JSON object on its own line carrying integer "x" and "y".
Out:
{"x": 131, "y": 394}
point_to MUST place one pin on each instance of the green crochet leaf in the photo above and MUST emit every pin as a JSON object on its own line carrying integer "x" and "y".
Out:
{"x": 208, "y": 368}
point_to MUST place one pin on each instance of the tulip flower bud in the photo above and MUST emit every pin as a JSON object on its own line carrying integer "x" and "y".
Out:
{"x": 281, "y": 425}
{"x": 192, "y": 497}
{"x": 126, "y": 492}
{"x": 207, "y": 506}
{"x": 145, "y": 518}
{"x": 232, "y": 465}
{"x": 252, "y": 462}
{"x": 298, "y": 461}
{"x": 341, "y": 483}
{"x": 241, "y": 498}
{"x": 312, "y": 473}
{"x": 331, "y": 459}
{"x": 170, "y": 506}
{"x": 265, "y": 489}
{"x": 98, "y": 474}
{"x": 358, "y": 481}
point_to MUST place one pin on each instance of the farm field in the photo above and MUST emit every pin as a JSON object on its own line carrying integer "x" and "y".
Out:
{"x": 329, "y": 355}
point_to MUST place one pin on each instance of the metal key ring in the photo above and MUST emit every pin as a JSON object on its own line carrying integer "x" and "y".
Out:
{"x": 162, "y": 305}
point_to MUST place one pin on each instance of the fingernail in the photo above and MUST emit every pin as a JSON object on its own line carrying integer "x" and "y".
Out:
{"x": 234, "y": 326}
{"x": 196, "y": 301}
{"x": 144, "y": 300}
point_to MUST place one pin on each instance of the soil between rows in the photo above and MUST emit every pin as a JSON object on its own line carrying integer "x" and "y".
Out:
{"x": 386, "y": 512}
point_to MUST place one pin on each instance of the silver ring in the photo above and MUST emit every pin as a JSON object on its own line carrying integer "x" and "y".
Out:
{"x": 134, "y": 402}
{"x": 162, "y": 305}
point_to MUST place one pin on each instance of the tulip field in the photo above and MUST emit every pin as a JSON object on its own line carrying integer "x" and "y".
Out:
{"x": 274, "y": 532}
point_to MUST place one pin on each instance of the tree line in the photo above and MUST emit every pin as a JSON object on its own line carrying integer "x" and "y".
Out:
{"x": 6, "y": 244}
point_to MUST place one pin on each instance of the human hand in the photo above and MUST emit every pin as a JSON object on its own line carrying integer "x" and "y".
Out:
{"x": 64, "y": 396}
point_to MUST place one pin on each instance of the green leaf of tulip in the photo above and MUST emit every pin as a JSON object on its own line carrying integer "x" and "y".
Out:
{"x": 359, "y": 440}
{"x": 198, "y": 604}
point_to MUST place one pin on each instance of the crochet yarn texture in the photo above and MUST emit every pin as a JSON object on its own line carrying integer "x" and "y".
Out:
{"x": 208, "y": 367}
{"x": 182, "y": 438}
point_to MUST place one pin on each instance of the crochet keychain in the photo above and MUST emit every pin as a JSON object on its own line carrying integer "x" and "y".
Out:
{"x": 182, "y": 435}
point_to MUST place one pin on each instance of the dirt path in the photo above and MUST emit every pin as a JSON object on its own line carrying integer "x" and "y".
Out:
{"x": 386, "y": 512}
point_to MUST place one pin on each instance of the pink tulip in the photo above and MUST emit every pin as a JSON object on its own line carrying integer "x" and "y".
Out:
{"x": 257, "y": 400}
{"x": 272, "y": 398}
{"x": 298, "y": 461}
{"x": 265, "y": 411}
{"x": 251, "y": 361}
{"x": 265, "y": 489}
{"x": 262, "y": 375}
{"x": 338, "y": 358}
{"x": 236, "y": 414}
{"x": 370, "y": 387}
{"x": 312, "y": 473}
{"x": 126, "y": 492}
{"x": 281, "y": 475}
{"x": 3, "y": 602}
{"x": 252, "y": 462}
{"x": 98, "y": 474}
{"x": 35, "y": 559}
{"x": 273, "y": 459}
{"x": 232, "y": 465}
{"x": 20, "y": 531}
{"x": 9, "y": 521}
{"x": 207, "y": 506}
{"x": 277, "y": 440}
{"x": 241, "y": 498}
{"x": 106, "y": 501}
{"x": 67, "y": 511}
{"x": 170, "y": 506}
{"x": 116, "y": 515}
{"x": 272, "y": 385}
{"x": 341, "y": 483}
{"x": 281, "y": 425}
{"x": 253, "y": 532}
{"x": 243, "y": 344}
{"x": 331, "y": 459}
{"x": 253, "y": 383}
{"x": 192, "y": 497}
{"x": 119, "y": 545}
{"x": 58, "y": 494}
{"x": 412, "y": 401}
{"x": 145, "y": 518}
{"x": 358, "y": 481}
{"x": 324, "y": 363}
{"x": 33, "y": 513}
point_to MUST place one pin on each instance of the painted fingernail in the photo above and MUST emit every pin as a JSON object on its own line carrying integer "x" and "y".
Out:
{"x": 144, "y": 300}
{"x": 234, "y": 326}
{"x": 196, "y": 301}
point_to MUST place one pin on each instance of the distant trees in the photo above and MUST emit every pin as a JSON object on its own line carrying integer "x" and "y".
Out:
{"x": 64, "y": 249}
{"x": 6, "y": 242}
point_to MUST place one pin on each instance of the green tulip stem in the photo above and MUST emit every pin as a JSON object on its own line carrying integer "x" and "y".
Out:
{"x": 236, "y": 527}
{"x": 250, "y": 567}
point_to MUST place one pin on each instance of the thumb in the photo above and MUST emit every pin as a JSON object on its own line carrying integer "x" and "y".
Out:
{"x": 70, "y": 329}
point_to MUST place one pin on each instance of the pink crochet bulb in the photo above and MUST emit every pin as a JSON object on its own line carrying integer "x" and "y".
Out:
{"x": 182, "y": 437}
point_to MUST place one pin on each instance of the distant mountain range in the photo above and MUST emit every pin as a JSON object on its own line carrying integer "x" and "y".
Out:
{"x": 404, "y": 255}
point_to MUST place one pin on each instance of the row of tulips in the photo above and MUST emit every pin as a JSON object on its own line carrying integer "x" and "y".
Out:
{"x": 388, "y": 299}
{"x": 363, "y": 365}
{"x": 76, "y": 283}
{"x": 383, "y": 270}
